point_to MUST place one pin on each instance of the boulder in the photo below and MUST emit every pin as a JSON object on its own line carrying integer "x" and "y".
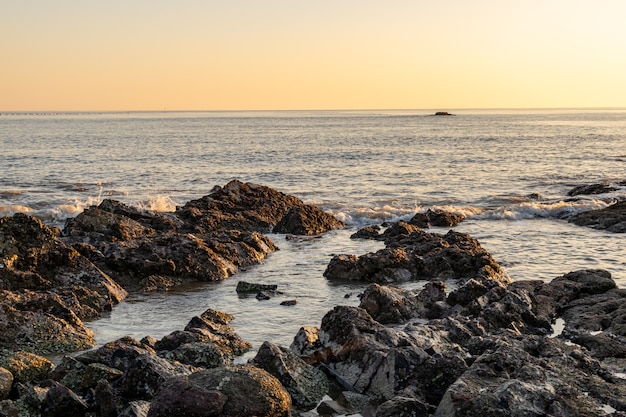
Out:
{"x": 611, "y": 218}
{"x": 6, "y": 382}
{"x": 306, "y": 385}
{"x": 180, "y": 397}
{"x": 24, "y": 366}
{"x": 249, "y": 391}
{"x": 61, "y": 401}
{"x": 389, "y": 305}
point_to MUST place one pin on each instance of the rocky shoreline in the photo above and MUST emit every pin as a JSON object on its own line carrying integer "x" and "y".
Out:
{"x": 471, "y": 342}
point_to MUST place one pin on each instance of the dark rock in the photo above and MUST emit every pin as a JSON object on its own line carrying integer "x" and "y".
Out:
{"x": 306, "y": 385}
{"x": 389, "y": 305}
{"x": 6, "y": 382}
{"x": 436, "y": 218}
{"x": 443, "y": 113}
{"x": 612, "y": 218}
{"x": 263, "y": 296}
{"x": 415, "y": 254}
{"x": 180, "y": 397}
{"x": 50, "y": 289}
{"x": 146, "y": 373}
{"x": 136, "y": 409}
{"x": 244, "y": 287}
{"x": 289, "y": 303}
{"x": 249, "y": 391}
{"x": 588, "y": 189}
{"x": 403, "y": 407}
{"x": 307, "y": 220}
{"x": 60, "y": 401}
{"x": 368, "y": 232}
{"x": 240, "y": 206}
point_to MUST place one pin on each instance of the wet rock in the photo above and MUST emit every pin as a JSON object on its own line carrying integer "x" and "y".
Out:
{"x": 289, "y": 303}
{"x": 306, "y": 220}
{"x": 249, "y": 391}
{"x": 306, "y": 342}
{"x": 117, "y": 354}
{"x": 240, "y": 206}
{"x": 244, "y": 287}
{"x": 436, "y": 218}
{"x": 368, "y": 232}
{"x": 415, "y": 254}
{"x": 49, "y": 288}
{"x": 306, "y": 385}
{"x": 612, "y": 218}
{"x": 6, "y": 382}
{"x": 180, "y": 397}
{"x": 588, "y": 189}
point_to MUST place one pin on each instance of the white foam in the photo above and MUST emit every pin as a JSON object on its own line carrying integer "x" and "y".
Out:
{"x": 14, "y": 208}
{"x": 161, "y": 203}
{"x": 531, "y": 210}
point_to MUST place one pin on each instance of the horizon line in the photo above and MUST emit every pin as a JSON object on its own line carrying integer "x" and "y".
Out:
{"x": 165, "y": 110}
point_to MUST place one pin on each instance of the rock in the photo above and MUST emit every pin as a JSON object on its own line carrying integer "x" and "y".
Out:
{"x": 244, "y": 287}
{"x": 24, "y": 366}
{"x": 403, "y": 407}
{"x": 389, "y": 305}
{"x": 249, "y": 391}
{"x": 60, "y": 401}
{"x": 240, "y": 206}
{"x": 136, "y": 409}
{"x": 289, "y": 303}
{"x": 600, "y": 188}
{"x": 307, "y": 220}
{"x": 145, "y": 374}
{"x": 180, "y": 397}
{"x": 49, "y": 288}
{"x": 306, "y": 342}
{"x": 413, "y": 254}
{"x": 443, "y": 113}
{"x": 306, "y": 385}
{"x": 611, "y": 218}
{"x": 6, "y": 382}
{"x": 368, "y": 232}
{"x": 436, "y": 218}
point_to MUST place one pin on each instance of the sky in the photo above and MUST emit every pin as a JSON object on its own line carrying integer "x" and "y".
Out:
{"x": 115, "y": 55}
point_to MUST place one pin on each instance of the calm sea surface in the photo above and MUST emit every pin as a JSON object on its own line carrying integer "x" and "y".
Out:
{"x": 363, "y": 166}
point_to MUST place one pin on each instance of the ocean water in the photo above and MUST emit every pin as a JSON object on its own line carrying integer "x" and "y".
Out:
{"x": 508, "y": 171}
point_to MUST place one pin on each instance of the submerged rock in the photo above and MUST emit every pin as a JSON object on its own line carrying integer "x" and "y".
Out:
{"x": 588, "y": 189}
{"x": 611, "y": 218}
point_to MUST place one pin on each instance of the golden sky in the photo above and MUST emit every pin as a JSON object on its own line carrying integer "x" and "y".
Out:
{"x": 341, "y": 54}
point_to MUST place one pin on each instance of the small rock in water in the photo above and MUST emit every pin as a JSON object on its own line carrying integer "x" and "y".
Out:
{"x": 262, "y": 296}
{"x": 289, "y": 303}
{"x": 247, "y": 287}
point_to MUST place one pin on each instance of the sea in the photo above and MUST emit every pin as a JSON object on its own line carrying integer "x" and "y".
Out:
{"x": 508, "y": 171}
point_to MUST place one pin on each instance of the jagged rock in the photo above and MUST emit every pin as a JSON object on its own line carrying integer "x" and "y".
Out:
{"x": 137, "y": 408}
{"x": 415, "y": 254}
{"x": 306, "y": 385}
{"x": 600, "y": 188}
{"x": 389, "y": 305}
{"x": 611, "y": 218}
{"x": 307, "y": 220}
{"x": 436, "y": 218}
{"x": 6, "y": 382}
{"x": 180, "y": 397}
{"x": 367, "y": 232}
{"x": 24, "y": 366}
{"x": 240, "y": 206}
{"x": 48, "y": 288}
{"x": 249, "y": 391}
{"x": 61, "y": 401}
{"x": 146, "y": 373}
